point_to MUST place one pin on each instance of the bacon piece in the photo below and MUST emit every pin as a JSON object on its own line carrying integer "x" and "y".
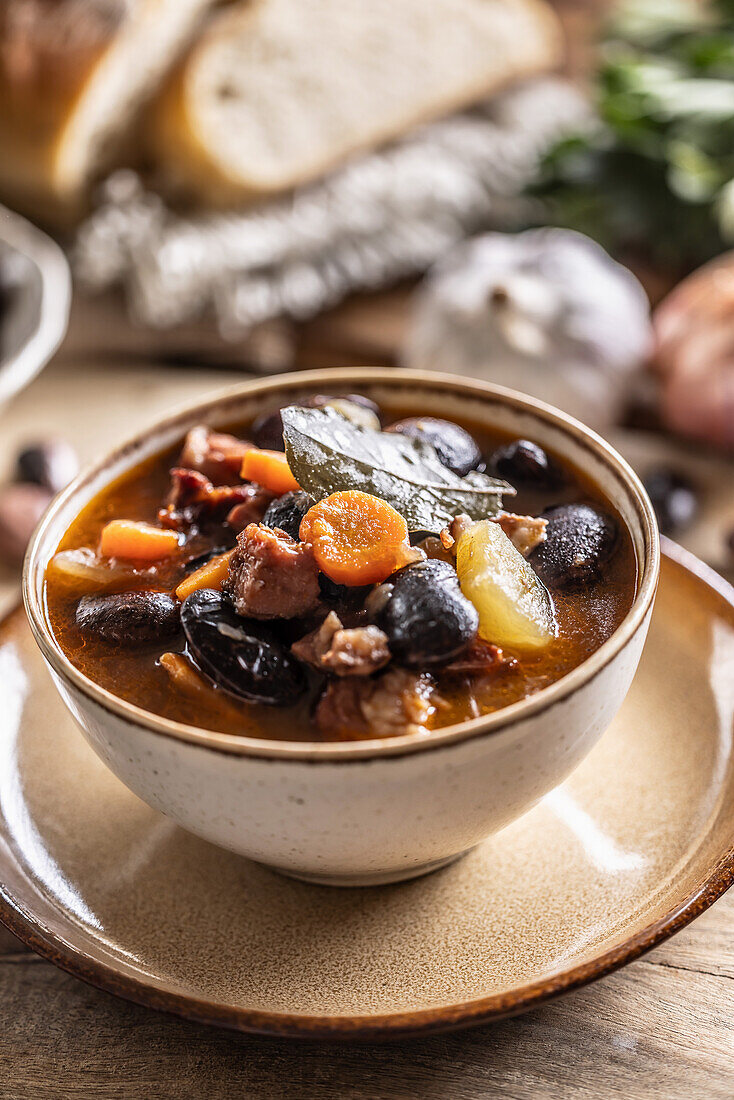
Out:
{"x": 433, "y": 547}
{"x": 251, "y": 510}
{"x": 397, "y": 701}
{"x": 524, "y": 532}
{"x": 271, "y": 576}
{"x": 193, "y": 501}
{"x": 359, "y": 651}
{"x": 480, "y": 659}
{"x": 457, "y": 527}
{"x": 214, "y": 454}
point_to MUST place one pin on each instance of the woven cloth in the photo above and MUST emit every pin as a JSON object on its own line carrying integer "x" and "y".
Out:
{"x": 380, "y": 218}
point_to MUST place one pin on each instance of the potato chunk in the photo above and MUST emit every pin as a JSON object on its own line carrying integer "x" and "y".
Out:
{"x": 515, "y": 609}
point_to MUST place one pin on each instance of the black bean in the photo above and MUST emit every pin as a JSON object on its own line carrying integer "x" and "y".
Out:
{"x": 579, "y": 541}
{"x": 427, "y": 620}
{"x": 347, "y": 600}
{"x": 129, "y": 618}
{"x": 267, "y": 430}
{"x": 455, "y": 448}
{"x": 526, "y": 465}
{"x": 240, "y": 655}
{"x": 674, "y": 499}
{"x": 332, "y": 591}
{"x": 52, "y": 464}
{"x": 287, "y": 512}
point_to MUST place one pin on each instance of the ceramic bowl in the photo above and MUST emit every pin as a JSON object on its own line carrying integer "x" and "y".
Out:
{"x": 363, "y": 812}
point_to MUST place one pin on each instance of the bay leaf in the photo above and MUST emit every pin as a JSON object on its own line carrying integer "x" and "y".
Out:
{"x": 329, "y": 454}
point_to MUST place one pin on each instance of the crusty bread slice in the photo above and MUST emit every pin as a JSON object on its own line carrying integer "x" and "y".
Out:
{"x": 274, "y": 96}
{"x": 72, "y": 73}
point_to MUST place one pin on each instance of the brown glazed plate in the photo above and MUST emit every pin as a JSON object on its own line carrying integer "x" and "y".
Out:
{"x": 637, "y": 843}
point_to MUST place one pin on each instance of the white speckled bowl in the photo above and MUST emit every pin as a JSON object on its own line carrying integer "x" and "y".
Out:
{"x": 362, "y": 812}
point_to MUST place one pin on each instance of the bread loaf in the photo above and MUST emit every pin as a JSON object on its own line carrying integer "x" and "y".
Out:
{"x": 274, "y": 96}
{"x": 72, "y": 73}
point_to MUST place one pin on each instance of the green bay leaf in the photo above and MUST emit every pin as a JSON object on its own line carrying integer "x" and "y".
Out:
{"x": 329, "y": 454}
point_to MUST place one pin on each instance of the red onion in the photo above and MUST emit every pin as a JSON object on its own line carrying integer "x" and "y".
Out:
{"x": 694, "y": 353}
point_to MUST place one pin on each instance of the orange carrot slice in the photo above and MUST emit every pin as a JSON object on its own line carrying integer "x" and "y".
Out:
{"x": 357, "y": 538}
{"x": 126, "y": 538}
{"x": 192, "y": 683}
{"x": 269, "y": 469}
{"x": 210, "y": 575}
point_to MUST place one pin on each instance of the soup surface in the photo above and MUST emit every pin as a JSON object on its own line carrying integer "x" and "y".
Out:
{"x": 519, "y": 604}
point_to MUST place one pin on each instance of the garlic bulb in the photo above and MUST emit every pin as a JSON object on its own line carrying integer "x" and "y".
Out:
{"x": 546, "y": 311}
{"x": 694, "y": 354}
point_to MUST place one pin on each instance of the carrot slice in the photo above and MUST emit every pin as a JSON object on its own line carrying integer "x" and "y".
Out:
{"x": 126, "y": 538}
{"x": 357, "y": 538}
{"x": 210, "y": 575}
{"x": 269, "y": 469}
{"x": 185, "y": 677}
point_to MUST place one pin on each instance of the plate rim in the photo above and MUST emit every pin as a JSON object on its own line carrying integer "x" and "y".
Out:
{"x": 15, "y": 916}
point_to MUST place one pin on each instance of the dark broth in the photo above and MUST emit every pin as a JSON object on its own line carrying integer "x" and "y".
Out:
{"x": 586, "y": 618}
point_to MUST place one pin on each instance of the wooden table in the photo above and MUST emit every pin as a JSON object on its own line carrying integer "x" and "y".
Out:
{"x": 660, "y": 1030}
{"x": 662, "y": 1027}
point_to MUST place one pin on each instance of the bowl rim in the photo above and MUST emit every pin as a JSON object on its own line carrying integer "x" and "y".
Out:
{"x": 349, "y": 751}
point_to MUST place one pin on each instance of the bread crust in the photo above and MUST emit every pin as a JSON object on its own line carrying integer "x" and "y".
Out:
{"x": 52, "y": 59}
{"x": 48, "y": 52}
{"x": 185, "y": 160}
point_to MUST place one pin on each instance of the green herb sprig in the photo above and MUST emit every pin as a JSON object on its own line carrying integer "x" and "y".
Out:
{"x": 656, "y": 175}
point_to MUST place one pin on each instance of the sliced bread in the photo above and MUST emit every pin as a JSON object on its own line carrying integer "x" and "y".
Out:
{"x": 72, "y": 73}
{"x": 273, "y": 96}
